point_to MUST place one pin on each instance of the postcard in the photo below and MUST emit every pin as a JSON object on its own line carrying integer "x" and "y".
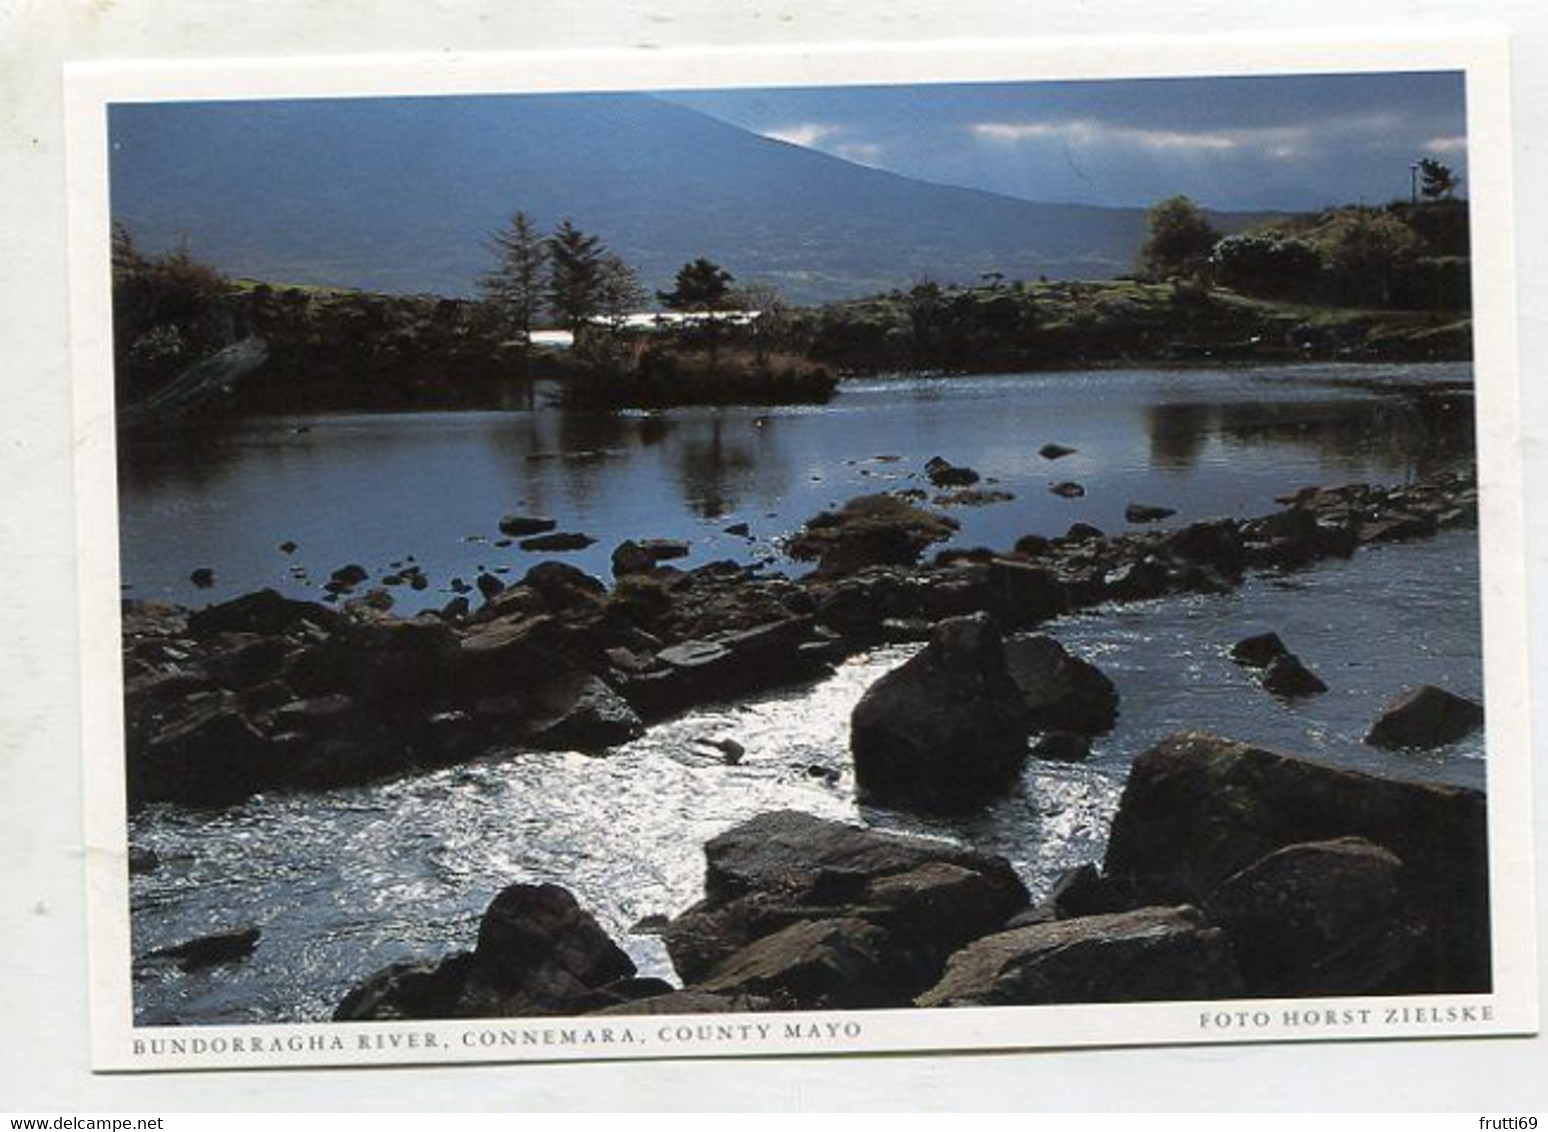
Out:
{"x": 707, "y": 553}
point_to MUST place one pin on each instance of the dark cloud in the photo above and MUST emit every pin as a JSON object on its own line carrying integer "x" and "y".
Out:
{"x": 1250, "y": 142}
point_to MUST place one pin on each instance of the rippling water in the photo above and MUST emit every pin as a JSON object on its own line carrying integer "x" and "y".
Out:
{"x": 346, "y": 881}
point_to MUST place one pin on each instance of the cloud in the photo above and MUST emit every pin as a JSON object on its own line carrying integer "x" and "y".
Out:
{"x": 865, "y": 153}
{"x": 1454, "y": 144}
{"x": 1086, "y": 131}
{"x": 803, "y": 133}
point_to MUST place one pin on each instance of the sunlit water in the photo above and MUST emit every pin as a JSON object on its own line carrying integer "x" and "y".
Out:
{"x": 346, "y": 881}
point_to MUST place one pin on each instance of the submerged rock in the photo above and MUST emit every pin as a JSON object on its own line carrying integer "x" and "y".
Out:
{"x": 1424, "y": 718}
{"x": 210, "y": 950}
{"x": 1068, "y": 490}
{"x": 943, "y": 473}
{"x": 518, "y": 526}
{"x": 1053, "y": 451}
{"x": 1258, "y": 651}
{"x": 1147, "y": 513}
{"x": 1287, "y": 676}
{"x": 946, "y": 730}
{"x": 558, "y": 541}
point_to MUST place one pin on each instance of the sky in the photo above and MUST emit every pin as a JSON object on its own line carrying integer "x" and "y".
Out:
{"x": 1291, "y": 142}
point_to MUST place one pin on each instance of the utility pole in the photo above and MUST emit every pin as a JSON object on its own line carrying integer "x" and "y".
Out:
{"x": 1413, "y": 184}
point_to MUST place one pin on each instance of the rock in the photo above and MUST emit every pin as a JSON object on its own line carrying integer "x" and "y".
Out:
{"x": 1083, "y": 532}
{"x": 690, "y": 1002}
{"x": 630, "y": 558}
{"x": 731, "y": 752}
{"x": 210, "y": 950}
{"x": 1021, "y": 594}
{"x": 1059, "y": 691}
{"x": 1319, "y": 919}
{"x": 264, "y": 612}
{"x": 203, "y": 577}
{"x": 557, "y": 542}
{"x": 577, "y": 711}
{"x": 775, "y": 850}
{"x": 740, "y": 530}
{"x": 538, "y": 953}
{"x": 1211, "y": 542}
{"x": 1068, "y": 489}
{"x": 833, "y": 964}
{"x": 973, "y": 497}
{"x": 529, "y": 928}
{"x": 1147, "y": 955}
{"x": 1138, "y": 580}
{"x": 288, "y": 547}
{"x": 519, "y": 526}
{"x": 563, "y": 587}
{"x": 946, "y": 730}
{"x": 1056, "y": 451}
{"x": 1147, "y": 513}
{"x": 142, "y": 861}
{"x": 1062, "y": 746}
{"x": 213, "y": 756}
{"x": 1197, "y": 809}
{"x": 1258, "y": 651}
{"x": 1287, "y": 676}
{"x": 1033, "y": 546}
{"x": 943, "y": 473}
{"x": 869, "y": 530}
{"x": 248, "y": 660}
{"x": 1425, "y": 718}
{"x": 407, "y": 991}
{"x": 456, "y": 609}
{"x": 348, "y": 577}
{"x": 489, "y": 586}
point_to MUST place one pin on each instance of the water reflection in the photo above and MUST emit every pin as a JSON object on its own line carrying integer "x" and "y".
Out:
{"x": 1395, "y": 433}
{"x": 374, "y": 488}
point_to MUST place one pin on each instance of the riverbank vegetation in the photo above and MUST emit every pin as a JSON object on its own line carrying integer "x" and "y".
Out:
{"x": 1347, "y": 284}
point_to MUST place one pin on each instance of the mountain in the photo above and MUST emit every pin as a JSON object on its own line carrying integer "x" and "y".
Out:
{"x": 401, "y": 194}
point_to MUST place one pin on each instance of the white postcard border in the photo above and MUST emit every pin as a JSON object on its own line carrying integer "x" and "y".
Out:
{"x": 1511, "y": 1008}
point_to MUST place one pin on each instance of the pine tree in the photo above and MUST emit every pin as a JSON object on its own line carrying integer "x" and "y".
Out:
{"x": 514, "y": 288}
{"x": 576, "y": 275}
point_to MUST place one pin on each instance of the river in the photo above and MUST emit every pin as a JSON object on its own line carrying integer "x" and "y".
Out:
{"x": 344, "y": 882}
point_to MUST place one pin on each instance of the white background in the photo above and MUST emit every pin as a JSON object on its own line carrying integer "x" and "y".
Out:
{"x": 43, "y": 1046}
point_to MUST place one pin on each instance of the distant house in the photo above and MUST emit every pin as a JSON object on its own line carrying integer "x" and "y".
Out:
{"x": 647, "y": 322}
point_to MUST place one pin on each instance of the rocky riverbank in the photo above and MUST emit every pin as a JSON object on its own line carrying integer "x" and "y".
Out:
{"x": 266, "y": 692}
{"x": 1231, "y": 872}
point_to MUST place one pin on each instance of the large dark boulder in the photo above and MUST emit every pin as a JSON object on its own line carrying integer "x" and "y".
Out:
{"x": 538, "y": 953}
{"x": 577, "y": 711}
{"x": 265, "y": 612}
{"x": 838, "y": 963}
{"x": 1150, "y": 954}
{"x": 1198, "y": 809}
{"x": 1424, "y": 718}
{"x": 946, "y": 730}
{"x": 926, "y": 897}
{"x": 213, "y": 756}
{"x": 1320, "y": 918}
{"x": 772, "y": 849}
{"x": 1060, "y": 691}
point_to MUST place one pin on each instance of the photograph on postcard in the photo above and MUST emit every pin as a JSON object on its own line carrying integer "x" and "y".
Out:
{"x": 775, "y": 556}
